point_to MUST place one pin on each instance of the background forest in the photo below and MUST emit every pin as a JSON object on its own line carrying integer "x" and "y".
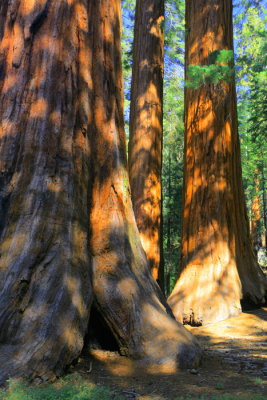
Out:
{"x": 250, "y": 37}
{"x": 81, "y": 232}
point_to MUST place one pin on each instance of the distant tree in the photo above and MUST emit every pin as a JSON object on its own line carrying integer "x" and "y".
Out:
{"x": 145, "y": 144}
{"x": 218, "y": 268}
{"x": 172, "y": 174}
{"x": 173, "y": 133}
{"x": 128, "y": 11}
{"x": 251, "y": 37}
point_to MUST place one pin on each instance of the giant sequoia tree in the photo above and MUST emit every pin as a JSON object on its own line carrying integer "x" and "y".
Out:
{"x": 145, "y": 144}
{"x": 68, "y": 233}
{"x": 218, "y": 267}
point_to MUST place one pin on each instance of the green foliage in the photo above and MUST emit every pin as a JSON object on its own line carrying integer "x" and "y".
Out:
{"x": 70, "y": 388}
{"x": 172, "y": 173}
{"x": 257, "y": 380}
{"x": 220, "y": 386}
{"x": 174, "y": 34}
{"x": 128, "y": 10}
{"x": 225, "y": 397}
{"x": 251, "y": 74}
{"x": 173, "y": 137}
{"x": 251, "y": 61}
{"x": 220, "y": 69}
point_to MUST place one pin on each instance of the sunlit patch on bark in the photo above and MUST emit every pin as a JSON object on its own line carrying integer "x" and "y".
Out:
{"x": 217, "y": 266}
{"x": 145, "y": 145}
{"x": 38, "y": 108}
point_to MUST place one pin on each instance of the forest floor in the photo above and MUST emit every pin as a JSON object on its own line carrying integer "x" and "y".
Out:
{"x": 234, "y": 363}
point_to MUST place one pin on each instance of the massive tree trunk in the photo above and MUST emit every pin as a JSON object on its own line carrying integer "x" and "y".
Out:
{"x": 145, "y": 145}
{"x": 45, "y": 285}
{"x": 218, "y": 267}
{"x": 68, "y": 234}
{"x": 125, "y": 293}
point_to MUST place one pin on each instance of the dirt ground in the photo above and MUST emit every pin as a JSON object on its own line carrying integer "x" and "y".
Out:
{"x": 234, "y": 362}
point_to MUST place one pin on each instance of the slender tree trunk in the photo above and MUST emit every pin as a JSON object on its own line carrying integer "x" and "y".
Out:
{"x": 168, "y": 276}
{"x": 68, "y": 233}
{"x": 169, "y": 196}
{"x": 218, "y": 267}
{"x": 145, "y": 145}
{"x": 264, "y": 202}
{"x": 256, "y": 215}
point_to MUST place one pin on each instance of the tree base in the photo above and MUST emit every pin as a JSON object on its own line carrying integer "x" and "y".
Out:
{"x": 204, "y": 295}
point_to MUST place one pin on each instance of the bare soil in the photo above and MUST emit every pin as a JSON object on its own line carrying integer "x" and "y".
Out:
{"x": 234, "y": 363}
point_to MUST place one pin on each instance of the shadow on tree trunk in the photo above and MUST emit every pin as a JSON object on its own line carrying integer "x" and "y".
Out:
{"x": 68, "y": 236}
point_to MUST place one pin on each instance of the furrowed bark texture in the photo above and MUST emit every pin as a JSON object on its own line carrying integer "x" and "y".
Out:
{"x": 64, "y": 195}
{"x": 45, "y": 286}
{"x": 145, "y": 144}
{"x": 256, "y": 215}
{"x": 218, "y": 267}
{"x": 126, "y": 295}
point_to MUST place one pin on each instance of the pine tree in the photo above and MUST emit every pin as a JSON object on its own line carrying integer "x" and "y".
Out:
{"x": 251, "y": 38}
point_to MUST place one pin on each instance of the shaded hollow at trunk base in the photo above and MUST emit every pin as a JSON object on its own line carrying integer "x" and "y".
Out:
{"x": 99, "y": 335}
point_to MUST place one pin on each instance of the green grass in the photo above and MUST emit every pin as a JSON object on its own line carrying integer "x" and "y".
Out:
{"x": 256, "y": 380}
{"x": 225, "y": 397}
{"x": 72, "y": 387}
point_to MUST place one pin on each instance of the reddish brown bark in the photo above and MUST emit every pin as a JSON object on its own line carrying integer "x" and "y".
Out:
{"x": 145, "y": 144}
{"x": 256, "y": 215}
{"x": 45, "y": 287}
{"x": 126, "y": 295}
{"x": 218, "y": 267}
{"x": 64, "y": 195}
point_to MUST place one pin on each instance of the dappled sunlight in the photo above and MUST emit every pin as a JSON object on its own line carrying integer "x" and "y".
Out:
{"x": 82, "y": 16}
{"x": 146, "y": 187}
{"x": 246, "y": 326}
{"x": 69, "y": 335}
{"x": 79, "y": 243}
{"x": 10, "y": 81}
{"x": 128, "y": 287}
{"x": 146, "y": 102}
{"x": 49, "y": 43}
{"x": 114, "y": 363}
{"x": 209, "y": 278}
{"x": 64, "y": 105}
{"x": 145, "y": 144}
{"x": 156, "y": 28}
{"x": 38, "y": 108}
{"x": 11, "y": 247}
{"x": 6, "y": 126}
{"x": 29, "y": 6}
{"x": 212, "y": 287}
{"x": 55, "y": 117}
{"x": 46, "y": 290}
{"x": 74, "y": 288}
{"x": 216, "y": 256}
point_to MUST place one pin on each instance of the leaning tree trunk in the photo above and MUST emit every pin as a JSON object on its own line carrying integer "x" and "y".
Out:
{"x": 64, "y": 199}
{"x": 218, "y": 267}
{"x": 145, "y": 145}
